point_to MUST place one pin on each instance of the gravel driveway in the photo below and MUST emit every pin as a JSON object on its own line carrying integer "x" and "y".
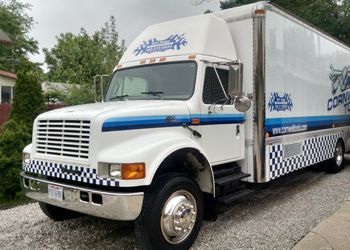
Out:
{"x": 275, "y": 218}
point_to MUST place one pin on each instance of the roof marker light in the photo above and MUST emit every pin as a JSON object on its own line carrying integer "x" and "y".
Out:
{"x": 142, "y": 61}
{"x": 259, "y": 12}
{"x": 153, "y": 60}
{"x": 162, "y": 59}
{"x": 119, "y": 66}
{"x": 192, "y": 57}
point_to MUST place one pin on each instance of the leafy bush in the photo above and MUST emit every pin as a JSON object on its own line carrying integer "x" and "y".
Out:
{"x": 13, "y": 139}
{"x": 80, "y": 94}
{"x": 28, "y": 102}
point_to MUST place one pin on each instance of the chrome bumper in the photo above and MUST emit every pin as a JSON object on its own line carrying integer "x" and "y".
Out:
{"x": 109, "y": 205}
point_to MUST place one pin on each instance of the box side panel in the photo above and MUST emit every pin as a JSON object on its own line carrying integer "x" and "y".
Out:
{"x": 307, "y": 95}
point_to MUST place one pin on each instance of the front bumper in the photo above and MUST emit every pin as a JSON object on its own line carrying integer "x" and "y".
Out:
{"x": 109, "y": 205}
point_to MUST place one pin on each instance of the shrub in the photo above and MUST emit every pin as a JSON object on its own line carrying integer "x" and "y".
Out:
{"x": 13, "y": 139}
{"x": 28, "y": 102}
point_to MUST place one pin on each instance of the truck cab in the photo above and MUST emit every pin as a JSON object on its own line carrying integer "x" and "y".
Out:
{"x": 173, "y": 111}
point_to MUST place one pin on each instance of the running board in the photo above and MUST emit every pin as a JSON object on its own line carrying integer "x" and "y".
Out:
{"x": 228, "y": 183}
{"x": 227, "y": 199}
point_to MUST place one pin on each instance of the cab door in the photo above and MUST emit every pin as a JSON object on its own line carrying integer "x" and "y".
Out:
{"x": 222, "y": 125}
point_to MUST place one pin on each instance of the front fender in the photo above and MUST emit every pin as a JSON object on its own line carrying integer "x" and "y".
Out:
{"x": 28, "y": 149}
{"x": 151, "y": 149}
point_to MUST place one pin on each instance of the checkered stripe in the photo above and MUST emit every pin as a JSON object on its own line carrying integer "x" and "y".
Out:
{"x": 70, "y": 172}
{"x": 314, "y": 150}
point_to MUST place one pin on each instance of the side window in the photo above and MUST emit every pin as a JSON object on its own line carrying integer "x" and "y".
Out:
{"x": 212, "y": 91}
{"x": 6, "y": 94}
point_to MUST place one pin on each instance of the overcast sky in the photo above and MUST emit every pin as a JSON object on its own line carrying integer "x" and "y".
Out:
{"x": 53, "y": 17}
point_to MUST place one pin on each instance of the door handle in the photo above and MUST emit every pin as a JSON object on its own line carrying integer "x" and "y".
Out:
{"x": 237, "y": 130}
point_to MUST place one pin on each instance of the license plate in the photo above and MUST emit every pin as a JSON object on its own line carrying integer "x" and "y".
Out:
{"x": 55, "y": 192}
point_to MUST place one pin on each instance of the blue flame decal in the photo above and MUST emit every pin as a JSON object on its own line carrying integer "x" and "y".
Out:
{"x": 173, "y": 42}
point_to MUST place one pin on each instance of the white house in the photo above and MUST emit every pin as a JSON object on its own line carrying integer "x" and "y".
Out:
{"x": 7, "y": 83}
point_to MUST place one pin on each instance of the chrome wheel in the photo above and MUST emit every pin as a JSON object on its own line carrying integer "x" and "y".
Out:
{"x": 339, "y": 154}
{"x": 178, "y": 217}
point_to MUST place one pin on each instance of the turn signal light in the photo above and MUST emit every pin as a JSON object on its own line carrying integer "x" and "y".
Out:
{"x": 195, "y": 121}
{"x": 131, "y": 171}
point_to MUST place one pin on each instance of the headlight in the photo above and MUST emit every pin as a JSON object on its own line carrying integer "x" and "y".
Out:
{"x": 25, "y": 158}
{"x": 123, "y": 171}
{"x": 114, "y": 170}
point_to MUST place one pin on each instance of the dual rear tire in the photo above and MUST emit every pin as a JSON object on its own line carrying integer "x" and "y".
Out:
{"x": 336, "y": 164}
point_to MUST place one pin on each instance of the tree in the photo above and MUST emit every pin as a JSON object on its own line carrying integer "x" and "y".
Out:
{"x": 27, "y": 104}
{"x": 332, "y": 16}
{"x": 28, "y": 101}
{"x": 76, "y": 59}
{"x": 16, "y": 24}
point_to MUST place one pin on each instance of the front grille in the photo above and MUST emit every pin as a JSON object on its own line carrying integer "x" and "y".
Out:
{"x": 68, "y": 138}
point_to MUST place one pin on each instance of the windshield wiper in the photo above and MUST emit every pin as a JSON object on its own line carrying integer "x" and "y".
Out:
{"x": 154, "y": 93}
{"x": 120, "y": 97}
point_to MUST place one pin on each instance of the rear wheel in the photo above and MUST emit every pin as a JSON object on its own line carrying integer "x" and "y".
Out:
{"x": 172, "y": 214}
{"x": 336, "y": 164}
{"x": 58, "y": 213}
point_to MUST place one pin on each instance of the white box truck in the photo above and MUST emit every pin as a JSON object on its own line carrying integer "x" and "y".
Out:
{"x": 195, "y": 106}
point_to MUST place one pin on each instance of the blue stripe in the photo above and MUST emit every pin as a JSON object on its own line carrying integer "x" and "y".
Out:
{"x": 220, "y": 118}
{"x": 142, "y": 122}
{"x": 312, "y": 122}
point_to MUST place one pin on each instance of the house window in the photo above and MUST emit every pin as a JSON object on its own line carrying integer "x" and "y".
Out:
{"x": 6, "y": 94}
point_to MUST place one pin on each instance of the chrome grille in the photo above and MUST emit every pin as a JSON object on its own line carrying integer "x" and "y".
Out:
{"x": 68, "y": 138}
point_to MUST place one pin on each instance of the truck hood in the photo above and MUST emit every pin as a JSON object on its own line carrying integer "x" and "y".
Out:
{"x": 118, "y": 109}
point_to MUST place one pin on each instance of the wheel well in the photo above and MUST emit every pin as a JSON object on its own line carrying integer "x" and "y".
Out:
{"x": 192, "y": 163}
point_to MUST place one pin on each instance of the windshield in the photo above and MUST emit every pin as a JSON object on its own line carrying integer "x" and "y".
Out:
{"x": 168, "y": 81}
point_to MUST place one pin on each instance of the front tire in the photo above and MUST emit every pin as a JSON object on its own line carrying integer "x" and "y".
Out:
{"x": 172, "y": 214}
{"x": 58, "y": 213}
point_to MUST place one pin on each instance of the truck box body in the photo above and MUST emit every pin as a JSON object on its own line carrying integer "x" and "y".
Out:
{"x": 301, "y": 77}
{"x": 176, "y": 127}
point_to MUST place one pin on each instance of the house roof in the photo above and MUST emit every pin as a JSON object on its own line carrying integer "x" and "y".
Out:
{"x": 8, "y": 74}
{"x": 4, "y": 39}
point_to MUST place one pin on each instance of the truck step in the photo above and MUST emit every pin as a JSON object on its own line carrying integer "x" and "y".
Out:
{"x": 226, "y": 170}
{"x": 235, "y": 177}
{"x": 229, "y": 198}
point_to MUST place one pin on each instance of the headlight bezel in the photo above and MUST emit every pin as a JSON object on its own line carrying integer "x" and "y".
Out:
{"x": 25, "y": 158}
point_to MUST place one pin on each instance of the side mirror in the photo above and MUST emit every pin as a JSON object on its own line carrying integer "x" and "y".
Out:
{"x": 242, "y": 103}
{"x": 235, "y": 79}
{"x": 235, "y": 89}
